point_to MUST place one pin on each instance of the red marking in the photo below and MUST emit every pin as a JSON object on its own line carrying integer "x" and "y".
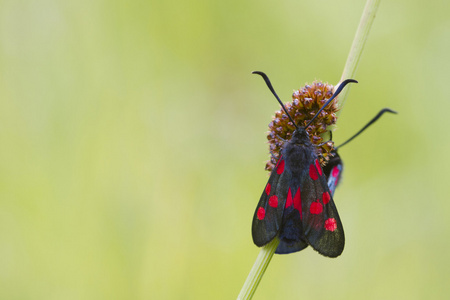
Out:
{"x": 326, "y": 198}
{"x": 330, "y": 224}
{"x": 335, "y": 171}
{"x": 268, "y": 189}
{"x": 279, "y": 159}
{"x": 280, "y": 167}
{"x": 318, "y": 167}
{"x": 316, "y": 208}
{"x": 289, "y": 201}
{"x": 273, "y": 201}
{"x": 313, "y": 172}
{"x": 298, "y": 202}
{"x": 261, "y": 213}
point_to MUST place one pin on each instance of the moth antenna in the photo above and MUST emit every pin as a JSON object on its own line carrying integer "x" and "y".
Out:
{"x": 380, "y": 113}
{"x": 339, "y": 89}
{"x": 269, "y": 85}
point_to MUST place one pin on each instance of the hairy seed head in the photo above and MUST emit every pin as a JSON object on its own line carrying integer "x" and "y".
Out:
{"x": 306, "y": 101}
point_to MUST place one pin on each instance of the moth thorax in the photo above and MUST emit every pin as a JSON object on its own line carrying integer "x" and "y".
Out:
{"x": 301, "y": 137}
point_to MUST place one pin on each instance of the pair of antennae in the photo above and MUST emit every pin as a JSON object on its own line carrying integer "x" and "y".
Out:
{"x": 380, "y": 113}
{"x": 269, "y": 85}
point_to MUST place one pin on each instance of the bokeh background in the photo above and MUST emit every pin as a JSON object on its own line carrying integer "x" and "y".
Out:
{"x": 133, "y": 147}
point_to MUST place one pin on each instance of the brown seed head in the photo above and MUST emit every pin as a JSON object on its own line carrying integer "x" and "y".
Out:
{"x": 306, "y": 101}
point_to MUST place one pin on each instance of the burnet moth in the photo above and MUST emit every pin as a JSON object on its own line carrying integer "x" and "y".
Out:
{"x": 334, "y": 167}
{"x": 296, "y": 204}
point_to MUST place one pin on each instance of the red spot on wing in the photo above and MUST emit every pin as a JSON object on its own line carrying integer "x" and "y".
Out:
{"x": 326, "y": 198}
{"x": 289, "y": 201}
{"x": 335, "y": 171}
{"x": 280, "y": 167}
{"x": 316, "y": 208}
{"x": 318, "y": 167}
{"x": 298, "y": 202}
{"x": 261, "y": 213}
{"x": 268, "y": 189}
{"x": 273, "y": 201}
{"x": 331, "y": 224}
{"x": 313, "y": 172}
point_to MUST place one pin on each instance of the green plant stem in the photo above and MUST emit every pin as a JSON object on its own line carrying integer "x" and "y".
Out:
{"x": 365, "y": 24}
{"x": 257, "y": 272}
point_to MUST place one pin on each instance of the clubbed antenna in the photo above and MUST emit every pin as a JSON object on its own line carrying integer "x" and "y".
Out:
{"x": 269, "y": 85}
{"x": 341, "y": 86}
{"x": 380, "y": 113}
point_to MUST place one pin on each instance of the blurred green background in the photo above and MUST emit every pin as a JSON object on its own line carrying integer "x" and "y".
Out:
{"x": 133, "y": 147}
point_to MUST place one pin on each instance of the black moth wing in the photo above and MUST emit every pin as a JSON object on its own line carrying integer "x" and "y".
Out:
{"x": 268, "y": 216}
{"x": 321, "y": 223}
{"x": 333, "y": 171}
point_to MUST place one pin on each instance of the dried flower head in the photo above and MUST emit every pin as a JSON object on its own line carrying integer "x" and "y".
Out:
{"x": 306, "y": 101}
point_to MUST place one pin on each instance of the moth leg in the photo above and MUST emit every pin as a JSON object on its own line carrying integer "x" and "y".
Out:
{"x": 330, "y": 140}
{"x": 273, "y": 156}
{"x": 321, "y": 144}
{"x": 281, "y": 139}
